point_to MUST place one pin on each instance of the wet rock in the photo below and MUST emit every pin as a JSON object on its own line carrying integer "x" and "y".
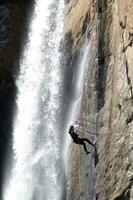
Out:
{"x": 13, "y": 20}
{"x": 5, "y": 30}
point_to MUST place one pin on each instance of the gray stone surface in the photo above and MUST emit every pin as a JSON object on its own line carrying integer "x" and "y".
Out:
{"x": 107, "y": 105}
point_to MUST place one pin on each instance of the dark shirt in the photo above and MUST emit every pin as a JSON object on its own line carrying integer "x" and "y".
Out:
{"x": 74, "y": 135}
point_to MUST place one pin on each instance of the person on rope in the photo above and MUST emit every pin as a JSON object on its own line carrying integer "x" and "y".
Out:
{"x": 73, "y": 133}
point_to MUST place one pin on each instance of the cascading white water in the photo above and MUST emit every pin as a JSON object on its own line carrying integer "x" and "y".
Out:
{"x": 36, "y": 139}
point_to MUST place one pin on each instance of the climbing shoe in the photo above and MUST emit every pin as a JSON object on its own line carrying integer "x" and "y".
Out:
{"x": 87, "y": 152}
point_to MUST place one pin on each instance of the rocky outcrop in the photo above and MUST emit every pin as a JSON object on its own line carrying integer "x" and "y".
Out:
{"x": 107, "y": 102}
{"x": 78, "y": 14}
{"x": 113, "y": 176}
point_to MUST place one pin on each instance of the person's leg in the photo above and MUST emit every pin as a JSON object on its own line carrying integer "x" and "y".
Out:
{"x": 81, "y": 142}
{"x": 87, "y": 140}
{"x": 84, "y": 145}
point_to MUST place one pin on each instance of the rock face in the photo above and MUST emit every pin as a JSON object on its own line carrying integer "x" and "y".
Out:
{"x": 107, "y": 101}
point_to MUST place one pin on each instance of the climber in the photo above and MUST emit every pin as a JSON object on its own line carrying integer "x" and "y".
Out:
{"x": 73, "y": 133}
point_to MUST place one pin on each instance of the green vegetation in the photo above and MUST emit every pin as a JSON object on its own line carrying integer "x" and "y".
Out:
{"x": 117, "y": 105}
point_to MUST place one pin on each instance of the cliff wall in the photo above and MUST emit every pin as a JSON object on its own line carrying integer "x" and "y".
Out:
{"x": 107, "y": 101}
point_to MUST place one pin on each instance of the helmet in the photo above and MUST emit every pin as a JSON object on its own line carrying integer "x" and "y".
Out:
{"x": 71, "y": 128}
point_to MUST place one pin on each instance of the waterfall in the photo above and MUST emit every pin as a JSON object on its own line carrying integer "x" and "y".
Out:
{"x": 79, "y": 79}
{"x": 37, "y": 172}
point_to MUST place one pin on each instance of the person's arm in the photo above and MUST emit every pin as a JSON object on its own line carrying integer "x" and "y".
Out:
{"x": 76, "y": 126}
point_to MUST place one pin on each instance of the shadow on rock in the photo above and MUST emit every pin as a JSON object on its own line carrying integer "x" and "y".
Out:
{"x": 96, "y": 157}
